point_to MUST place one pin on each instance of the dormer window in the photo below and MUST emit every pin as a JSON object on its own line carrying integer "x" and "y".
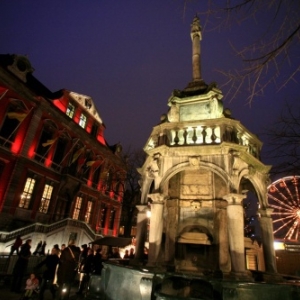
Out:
{"x": 82, "y": 121}
{"x": 70, "y": 110}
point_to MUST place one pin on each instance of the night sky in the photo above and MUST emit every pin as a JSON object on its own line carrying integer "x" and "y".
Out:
{"x": 129, "y": 56}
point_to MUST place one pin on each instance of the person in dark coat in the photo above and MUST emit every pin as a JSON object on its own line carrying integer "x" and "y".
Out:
{"x": 21, "y": 267}
{"x": 85, "y": 271}
{"x": 43, "y": 248}
{"x": 51, "y": 262}
{"x": 66, "y": 272}
{"x": 98, "y": 262}
{"x": 83, "y": 255}
{"x": 16, "y": 246}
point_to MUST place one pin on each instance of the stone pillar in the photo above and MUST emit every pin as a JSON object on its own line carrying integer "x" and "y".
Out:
{"x": 171, "y": 230}
{"x": 235, "y": 214}
{"x": 196, "y": 37}
{"x": 266, "y": 227}
{"x": 156, "y": 227}
{"x": 222, "y": 236}
{"x": 141, "y": 232}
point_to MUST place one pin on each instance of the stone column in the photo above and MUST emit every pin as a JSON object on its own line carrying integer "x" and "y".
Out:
{"x": 141, "y": 232}
{"x": 222, "y": 236}
{"x": 235, "y": 214}
{"x": 196, "y": 37}
{"x": 156, "y": 227}
{"x": 266, "y": 227}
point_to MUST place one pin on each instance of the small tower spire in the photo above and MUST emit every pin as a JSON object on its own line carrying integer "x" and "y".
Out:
{"x": 197, "y": 84}
{"x": 196, "y": 36}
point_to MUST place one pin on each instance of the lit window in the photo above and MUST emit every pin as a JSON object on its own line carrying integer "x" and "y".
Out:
{"x": 121, "y": 230}
{"x": 133, "y": 231}
{"x": 82, "y": 121}
{"x": 27, "y": 193}
{"x": 77, "y": 208}
{"x": 88, "y": 211}
{"x": 45, "y": 201}
{"x": 70, "y": 110}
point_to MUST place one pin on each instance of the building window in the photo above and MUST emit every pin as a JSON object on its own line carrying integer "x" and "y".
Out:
{"x": 103, "y": 216}
{"x": 109, "y": 180}
{"x": 133, "y": 231}
{"x": 70, "y": 110}
{"x": 94, "y": 131}
{"x": 96, "y": 175}
{"x": 121, "y": 230}
{"x": 46, "y": 140}
{"x": 82, "y": 121}
{"x": 27, "y": 193}
{"x": 60, "y": 151}
{"x": 88, "y": 213}
{"x": 45, "y": 201}
{"x": 77, "y": 208}
{"x": 112, "y": 219}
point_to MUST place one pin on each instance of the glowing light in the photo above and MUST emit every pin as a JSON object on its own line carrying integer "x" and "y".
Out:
{"x": 279, "y": 245}
{"x": 148, "y": 213}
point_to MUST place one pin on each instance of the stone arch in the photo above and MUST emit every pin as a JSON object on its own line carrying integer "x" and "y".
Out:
{"x": 187, "y": 166}
{"x": 257, "y": 186}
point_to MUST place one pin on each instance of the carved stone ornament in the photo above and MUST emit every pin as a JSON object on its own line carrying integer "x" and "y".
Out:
{"x": 153, "y": 167}
{"x": 196, "y": 204}
{"x": 195, "y": 161}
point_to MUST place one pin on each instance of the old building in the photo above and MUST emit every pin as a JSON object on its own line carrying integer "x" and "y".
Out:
{"x": 59, "y": 179}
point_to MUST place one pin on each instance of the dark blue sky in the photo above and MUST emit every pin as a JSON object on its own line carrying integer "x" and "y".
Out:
{"x": 129, "y": 56}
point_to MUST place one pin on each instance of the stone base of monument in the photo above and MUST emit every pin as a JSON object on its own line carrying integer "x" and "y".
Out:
{"x": 142, "y": 283}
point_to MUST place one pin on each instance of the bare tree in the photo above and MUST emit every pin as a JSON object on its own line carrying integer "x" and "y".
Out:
{"x": 284, "y": 141}
{"x": 276, "y": 47}
{"x": 132, "y": 196}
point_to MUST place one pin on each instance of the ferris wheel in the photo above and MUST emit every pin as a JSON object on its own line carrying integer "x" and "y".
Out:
{"x": 284, "y": 198}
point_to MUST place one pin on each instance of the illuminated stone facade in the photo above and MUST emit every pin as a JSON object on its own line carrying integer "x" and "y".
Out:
{"x": 201, "y": 163}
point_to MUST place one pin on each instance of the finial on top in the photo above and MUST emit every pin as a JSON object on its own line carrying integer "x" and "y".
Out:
{"x": 196, "y": 28}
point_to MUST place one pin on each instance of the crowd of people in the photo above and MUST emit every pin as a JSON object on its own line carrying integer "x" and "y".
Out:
{"x": 60, "y": 268}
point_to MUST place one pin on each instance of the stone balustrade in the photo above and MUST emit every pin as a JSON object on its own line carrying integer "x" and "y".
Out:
{"x": 204, "y": 134}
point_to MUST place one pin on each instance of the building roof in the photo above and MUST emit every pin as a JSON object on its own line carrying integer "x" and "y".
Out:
{"x": 20, "y": 66}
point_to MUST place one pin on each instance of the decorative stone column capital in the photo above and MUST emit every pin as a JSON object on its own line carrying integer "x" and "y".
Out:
{"x": 234, "y": 199}
{"x": 157, "y": 198}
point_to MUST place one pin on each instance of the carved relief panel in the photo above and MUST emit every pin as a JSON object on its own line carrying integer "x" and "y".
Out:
{"x": 196, "y": 184}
